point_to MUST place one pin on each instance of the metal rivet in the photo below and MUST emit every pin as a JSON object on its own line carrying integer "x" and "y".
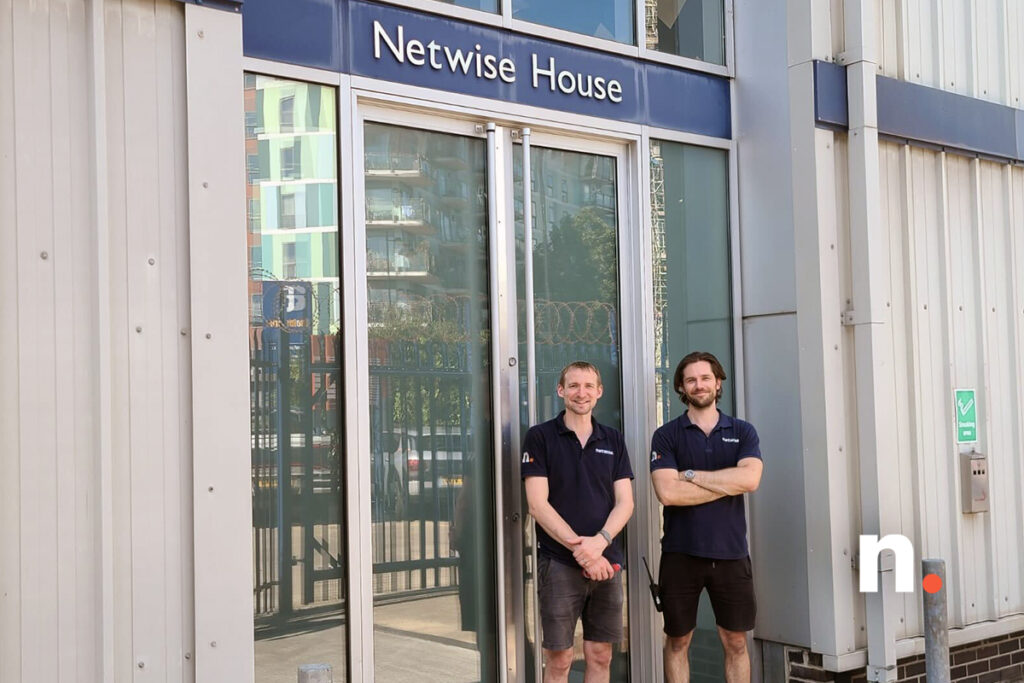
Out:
{"x": 44, "y": 255}
{"x": 960, "y": 307}
{"x": 142, "y": 665}
{"x": 138, "y": 328}
{"x": 836, "y": 347}
{"x": 926, "y": 307}
{"x": 993, "y": 309}
{"x": 511, "y": 362}
{"x": 152, "y": 261}
{"x": 832, "y": 246}
{"x": 887, "y": 304}
{"x": 209, "y": 336}
{"x": 184, "y": 332}
{"x": 201, "y": 34}
{"x": 210, "y": 489}
{"x": 188, "y": 655}
{"x": 206, "y": 184}
{"x": 213, "y": 643}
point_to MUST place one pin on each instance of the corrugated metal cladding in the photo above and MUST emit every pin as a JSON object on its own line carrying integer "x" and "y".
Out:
{"x": 964, "y": 46}
{"x": 955, "y": 234}
{"x": 94, "y": 371}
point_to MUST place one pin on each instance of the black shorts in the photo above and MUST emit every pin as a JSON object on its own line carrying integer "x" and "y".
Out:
{"x": 730, "y": 585}
{"x": 565, "y": 595}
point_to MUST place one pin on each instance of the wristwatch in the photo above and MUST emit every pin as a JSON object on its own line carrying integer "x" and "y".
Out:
{"x": 688, "y": 475}
{"x": 607, "y": 536}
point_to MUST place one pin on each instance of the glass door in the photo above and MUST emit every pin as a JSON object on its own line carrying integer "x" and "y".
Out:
{"x": 574, "y": 223}
{"x": 447, "y": 392}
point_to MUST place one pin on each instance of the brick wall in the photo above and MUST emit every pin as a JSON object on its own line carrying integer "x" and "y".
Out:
{"x": 987, "y": 661}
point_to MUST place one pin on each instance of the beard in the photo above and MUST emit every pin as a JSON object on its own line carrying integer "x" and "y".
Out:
{"x": 702, "y": 401}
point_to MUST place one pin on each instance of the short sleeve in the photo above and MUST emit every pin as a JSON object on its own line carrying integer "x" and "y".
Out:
{"x": 534, "y": 458}
{"x": 663, "y": 450}
{"x": 750, "y": 443}
{"x": 623, "y": 470}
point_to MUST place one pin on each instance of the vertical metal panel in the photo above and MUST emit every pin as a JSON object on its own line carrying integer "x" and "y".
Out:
{"x": 1014, "y": 54}
{"x": 220, "y": 375}
{"x": 772, "y": 367}
{"x": 765, "y": 190}
{"x": 893, "y": 209}
{"x": 10, "y": 399}
{"x": 1000, "y": 435}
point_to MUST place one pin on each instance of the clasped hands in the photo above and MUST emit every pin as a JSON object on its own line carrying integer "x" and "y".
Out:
{"x": 587, "y": 551}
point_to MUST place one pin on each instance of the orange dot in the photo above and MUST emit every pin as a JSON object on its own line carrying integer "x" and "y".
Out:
{"x": 932, "y": 583}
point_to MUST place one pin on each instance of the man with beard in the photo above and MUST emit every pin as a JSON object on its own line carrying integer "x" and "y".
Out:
{"x": 577, "y": 477}
{"x": 701, "y": 465}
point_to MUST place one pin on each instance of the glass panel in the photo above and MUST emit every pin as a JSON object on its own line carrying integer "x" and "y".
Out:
{"x": 688, "y": 28}
{"x": 485, "y": 5}
{"x": 690, "y": 240}
{"x": 608, "y": 19}
{"x": 576, "y": 300}
{"x": 295, "y": 363}
{"x": 430, "y": 406}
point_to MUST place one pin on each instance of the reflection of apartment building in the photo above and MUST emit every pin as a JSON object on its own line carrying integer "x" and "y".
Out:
{"x": 292, "y": 194}
{"x": 424, "y": 209}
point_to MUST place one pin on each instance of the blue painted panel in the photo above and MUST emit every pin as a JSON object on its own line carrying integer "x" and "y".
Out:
{"x": 368, "y": 39}
{"x": 830, "y": 103}
{"x": 685, "y": 100}
{"x": 925, "y": 115}
{"x": 302, "y": 32}
{"x": 943, "y": 118}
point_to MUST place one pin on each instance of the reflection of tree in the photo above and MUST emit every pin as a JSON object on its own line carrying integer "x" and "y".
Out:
{"x": 581, "y": 251}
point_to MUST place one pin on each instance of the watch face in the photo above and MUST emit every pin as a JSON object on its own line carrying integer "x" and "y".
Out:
{"x": 689, "y": 474}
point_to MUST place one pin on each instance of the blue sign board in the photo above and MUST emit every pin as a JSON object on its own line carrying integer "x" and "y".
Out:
{"x": 442, "y": 53}
{"x": 288, "y": 309}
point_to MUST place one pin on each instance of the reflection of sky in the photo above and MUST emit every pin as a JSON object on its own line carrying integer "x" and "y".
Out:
{"x": 609, "y": 19}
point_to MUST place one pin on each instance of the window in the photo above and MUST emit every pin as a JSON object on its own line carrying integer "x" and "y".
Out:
{"x": 288, "y": 260}
{"x": 690, "y": 240}
{"x": 287, "y": 218}
{"x": 688, "y": 28}
{"x": 607, "y": 19}
{"x": 287, "y": 110}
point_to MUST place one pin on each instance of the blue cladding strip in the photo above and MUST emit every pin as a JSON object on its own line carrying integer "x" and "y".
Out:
{"x": 925, "y": 115}
{"x": 830, "y": 104}
{"x": 441, "y": 53}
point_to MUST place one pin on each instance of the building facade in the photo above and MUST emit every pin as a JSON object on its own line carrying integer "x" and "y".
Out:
{"x": 318, "y": 265}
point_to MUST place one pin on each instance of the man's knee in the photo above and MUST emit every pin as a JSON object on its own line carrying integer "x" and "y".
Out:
{"x": 558, "y": 661}
{"x": 733, "y": 642}
{"x": 678, "y": 645}
{"x": 597, "y": 655}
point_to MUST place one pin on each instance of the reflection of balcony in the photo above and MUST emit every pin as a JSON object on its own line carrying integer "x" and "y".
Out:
{"x": 417, "y": 266}
{"x": 412, "y": 215}
{"x": 396, "y": 165}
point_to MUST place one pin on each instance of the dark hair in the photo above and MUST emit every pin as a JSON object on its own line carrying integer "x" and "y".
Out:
{"x": 690, "y": 359}
{"x": 579, "y": 365}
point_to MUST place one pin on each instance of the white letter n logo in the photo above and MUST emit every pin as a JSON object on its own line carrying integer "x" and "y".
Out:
{"x": 903, "y": 552}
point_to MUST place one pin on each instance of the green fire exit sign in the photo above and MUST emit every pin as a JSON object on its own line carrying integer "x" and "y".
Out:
{"x": 966, "y": 416}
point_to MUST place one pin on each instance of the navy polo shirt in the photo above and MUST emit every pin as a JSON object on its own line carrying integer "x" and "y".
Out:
{"x": 715, "y": 530}
{"x": 581, "y": 480}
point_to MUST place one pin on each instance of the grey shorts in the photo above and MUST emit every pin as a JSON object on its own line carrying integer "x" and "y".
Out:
{"x": 565, "y": 596}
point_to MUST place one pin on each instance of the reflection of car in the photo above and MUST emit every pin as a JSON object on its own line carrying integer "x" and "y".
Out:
{"x": 419, "y": 467}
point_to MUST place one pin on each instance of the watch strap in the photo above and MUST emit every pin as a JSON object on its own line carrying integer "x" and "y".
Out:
{"x": 607, "y": 536}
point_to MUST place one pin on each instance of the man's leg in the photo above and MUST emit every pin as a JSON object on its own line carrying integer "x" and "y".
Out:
{"x": 598, "y": 657}
{"x": 682, "y": 580}
{"x": 556, "y": 665}
{"x": 561, "y": 591}
{"x": 731, "y": 589}
{"x": 737, "y": 662}
{"x": 677, "y": 659}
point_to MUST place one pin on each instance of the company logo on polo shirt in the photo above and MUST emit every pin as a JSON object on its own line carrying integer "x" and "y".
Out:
{"x": 728, "y": 440}
{"x": 526, "y": 458}
{"x": 605, "y": 451}
{"x": 655, "y": 455}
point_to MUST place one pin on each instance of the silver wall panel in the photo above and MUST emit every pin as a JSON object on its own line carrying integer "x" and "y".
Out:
{"x": 972, "y": 48}
{"x": 776, "y": 511}
{"x": 57, "y": 551}
{"x": 954, "y": 266}
{"x": 764, "y": 185}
